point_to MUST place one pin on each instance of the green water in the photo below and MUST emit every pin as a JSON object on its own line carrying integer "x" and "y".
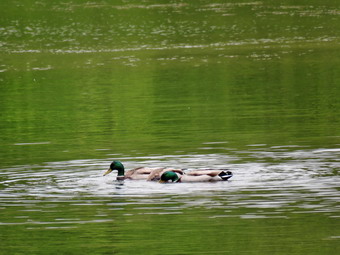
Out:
{"x": 253, "y": 86}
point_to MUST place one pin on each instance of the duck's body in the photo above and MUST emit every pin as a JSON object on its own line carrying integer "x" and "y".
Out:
{"x": 149, "y": 174}
{"x": 140, "y": 173}
{"x": 197, "y": 176}
{"x": 176, "y": 175}
{"x": 209, "y": 172}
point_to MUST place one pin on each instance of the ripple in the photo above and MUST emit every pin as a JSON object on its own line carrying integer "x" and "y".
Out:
{"x": 273, "y": 42}
{"x": 36, "y": 143}
{"x": 293, "y": 184}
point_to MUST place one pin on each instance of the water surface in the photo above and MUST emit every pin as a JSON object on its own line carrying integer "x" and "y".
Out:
{"x": 248, "y": 85}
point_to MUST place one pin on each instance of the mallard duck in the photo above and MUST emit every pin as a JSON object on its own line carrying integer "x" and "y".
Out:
{"x": 197, "y": 176}
{"x": 140, "y": 173}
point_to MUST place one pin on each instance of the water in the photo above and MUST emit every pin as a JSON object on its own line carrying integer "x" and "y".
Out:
{"x": 267, "y": 205}
{"x": 252, "y": 86}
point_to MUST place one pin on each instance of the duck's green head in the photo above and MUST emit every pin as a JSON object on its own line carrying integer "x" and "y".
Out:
{"x": 116, "y": 165}
{"x": 169, "y": 176}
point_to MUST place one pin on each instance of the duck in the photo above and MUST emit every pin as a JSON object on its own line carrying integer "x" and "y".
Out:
{"x": 139, "y": 173}
{"x": 196, "y": 176}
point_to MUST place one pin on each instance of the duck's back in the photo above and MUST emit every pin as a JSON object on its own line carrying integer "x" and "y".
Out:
{"x": 141, "y": 173}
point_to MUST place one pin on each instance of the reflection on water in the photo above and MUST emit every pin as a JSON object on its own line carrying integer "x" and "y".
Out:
{"x": 277, "y": 186}
{"x": 73, "y": 196}
{"x": 78, "y": 27}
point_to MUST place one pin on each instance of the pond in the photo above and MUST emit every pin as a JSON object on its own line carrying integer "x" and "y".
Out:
{"x": 252, "y": 86}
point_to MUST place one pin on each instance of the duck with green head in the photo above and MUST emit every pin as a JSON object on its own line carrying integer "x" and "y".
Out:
{"x": 140, "y": 173}
{"x": 198, "y": 176}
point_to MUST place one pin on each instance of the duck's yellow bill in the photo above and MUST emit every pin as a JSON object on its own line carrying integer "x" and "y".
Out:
{"x": 160, "y": 181}
{"x": 108, "y": 171}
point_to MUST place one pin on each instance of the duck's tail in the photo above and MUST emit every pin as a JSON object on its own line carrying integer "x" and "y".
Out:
{"x": 225, "y": 175}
